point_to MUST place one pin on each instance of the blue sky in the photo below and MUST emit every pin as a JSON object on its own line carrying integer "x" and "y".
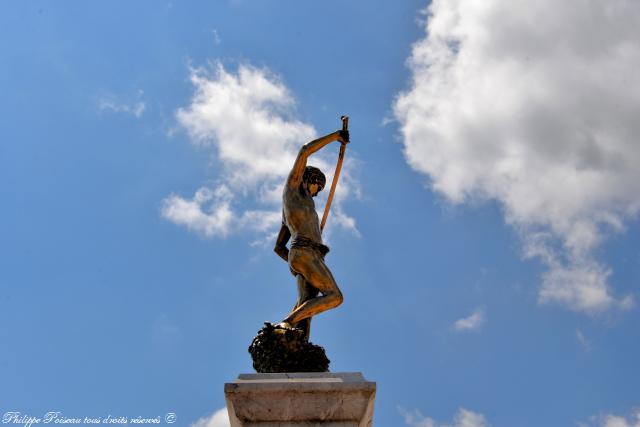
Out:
{"x": 484, "y": 234}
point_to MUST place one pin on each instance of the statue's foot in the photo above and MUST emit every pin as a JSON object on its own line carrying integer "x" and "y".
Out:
{"x": 286, "y": 325}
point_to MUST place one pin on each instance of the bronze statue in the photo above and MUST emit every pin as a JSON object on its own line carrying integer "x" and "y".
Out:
{"x": 300, "y": 224}
{"x": 285, "y": 347}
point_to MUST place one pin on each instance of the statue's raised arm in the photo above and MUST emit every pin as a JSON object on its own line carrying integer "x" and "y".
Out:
{"x": 295, "y": 176}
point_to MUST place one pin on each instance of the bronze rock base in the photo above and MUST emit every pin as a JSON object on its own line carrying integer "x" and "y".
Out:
{"x": 279, "y": 349}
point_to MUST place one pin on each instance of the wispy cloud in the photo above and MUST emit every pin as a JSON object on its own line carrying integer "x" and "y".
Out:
{"x": 616, "y": 421}
{"x": 248, "y": 119}
{"x": 209, "y": 213}
{"x": 611, "y": 420}
{"x": 216, "y": 37}
{"x": 583, "y": 341}
{"x": 220, "y": 418}
{"x": 473, "y": 322}
{"x": 164, "y": 332}
{"x": 535, "y": 105}
{"x": 115, "y": 104}
{"x": 463, "y": 418}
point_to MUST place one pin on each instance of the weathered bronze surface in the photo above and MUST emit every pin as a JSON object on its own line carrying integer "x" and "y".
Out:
{"x": 317, "y": 289}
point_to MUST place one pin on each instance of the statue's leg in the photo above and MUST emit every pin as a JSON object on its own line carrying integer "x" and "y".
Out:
{"x": 300, "y": 285}
{"x": 312, "y": 267}
{"x": 306, "y": 291}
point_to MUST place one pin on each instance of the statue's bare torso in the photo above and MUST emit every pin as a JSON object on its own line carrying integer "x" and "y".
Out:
{"x": 300, "y": 214}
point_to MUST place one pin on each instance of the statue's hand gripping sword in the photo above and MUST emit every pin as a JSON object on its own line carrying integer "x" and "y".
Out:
{"x": 336, "y": 175}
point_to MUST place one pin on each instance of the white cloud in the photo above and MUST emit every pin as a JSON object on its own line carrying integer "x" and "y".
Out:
{"x": 535, "y": 105}
{"x": 473, "y": 322}
{"x": 115, "y": 104}
{"x": 616, "y": 421}
{"x": 610, "y": 420}
{"x": 247, "y": 118}
{"x": 463, "y": 418}
{"x": 209, "y": 213}
{"x": 220, "y": 418}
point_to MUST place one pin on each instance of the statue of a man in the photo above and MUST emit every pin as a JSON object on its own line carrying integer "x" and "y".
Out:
{"x": 300, "y": 223}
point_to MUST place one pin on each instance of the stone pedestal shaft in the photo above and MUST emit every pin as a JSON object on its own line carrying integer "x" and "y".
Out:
{"x": 300, "y": 399}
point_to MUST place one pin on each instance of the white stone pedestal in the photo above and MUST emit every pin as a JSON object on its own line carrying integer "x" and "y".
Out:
{"x": 319, "y": 399}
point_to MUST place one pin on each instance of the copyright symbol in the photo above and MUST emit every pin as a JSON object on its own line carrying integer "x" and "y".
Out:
{"x": 170, "y": 418}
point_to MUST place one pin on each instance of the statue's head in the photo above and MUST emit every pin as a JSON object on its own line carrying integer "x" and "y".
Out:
{"x": 313, "y": 180}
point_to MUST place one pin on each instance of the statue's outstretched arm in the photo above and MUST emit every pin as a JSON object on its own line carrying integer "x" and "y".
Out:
{"x": 295, "y": 176}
